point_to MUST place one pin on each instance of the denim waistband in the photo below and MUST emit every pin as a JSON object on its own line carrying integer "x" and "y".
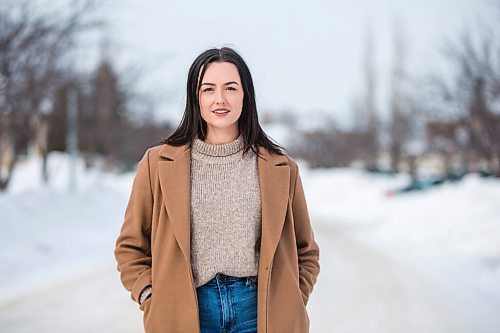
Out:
{"x": 223, "y": 278}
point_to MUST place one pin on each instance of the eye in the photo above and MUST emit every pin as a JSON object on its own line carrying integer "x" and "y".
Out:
{"x": 207, "y": 89}
{"x": 231, "y": 88}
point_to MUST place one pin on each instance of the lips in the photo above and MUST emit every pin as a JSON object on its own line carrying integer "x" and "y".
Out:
{"x": 220, "y": 111}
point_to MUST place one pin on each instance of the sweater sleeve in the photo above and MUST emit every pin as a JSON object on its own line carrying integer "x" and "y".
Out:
{"x": 133, "y": 246}
{"x": 307, "y": 248}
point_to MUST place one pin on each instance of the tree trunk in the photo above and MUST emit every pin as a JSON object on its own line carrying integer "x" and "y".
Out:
{"x": 7, "y": 157}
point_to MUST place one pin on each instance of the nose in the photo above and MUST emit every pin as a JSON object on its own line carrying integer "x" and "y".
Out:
{"x": 220, "y": 97}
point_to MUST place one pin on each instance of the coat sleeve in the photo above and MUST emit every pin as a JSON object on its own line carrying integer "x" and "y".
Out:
{"x": 307, "y": 248}
{"x": 133, "y": 246}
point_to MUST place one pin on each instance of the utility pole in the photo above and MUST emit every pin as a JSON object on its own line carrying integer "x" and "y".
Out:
{"x": 72, "y": 137}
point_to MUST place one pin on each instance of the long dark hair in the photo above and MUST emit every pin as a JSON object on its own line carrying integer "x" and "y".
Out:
{"x": 192, "y": 124}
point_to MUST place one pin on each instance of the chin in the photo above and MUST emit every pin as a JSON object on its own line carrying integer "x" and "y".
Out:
{"x": 218, "y": 126}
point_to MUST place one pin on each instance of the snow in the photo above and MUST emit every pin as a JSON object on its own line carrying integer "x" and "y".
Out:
{"x": 49, "y": 234}
{"x": 416, "y": 262}
{"x": 443, "y": 243}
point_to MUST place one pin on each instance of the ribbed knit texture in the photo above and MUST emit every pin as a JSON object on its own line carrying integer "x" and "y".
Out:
{"x": 225, "y": 211}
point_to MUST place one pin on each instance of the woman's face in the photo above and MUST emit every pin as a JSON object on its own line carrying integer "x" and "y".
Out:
{"x": 221, "y": 97}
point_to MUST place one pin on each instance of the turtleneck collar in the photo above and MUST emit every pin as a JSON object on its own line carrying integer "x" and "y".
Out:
{"x": 219, "y": 150}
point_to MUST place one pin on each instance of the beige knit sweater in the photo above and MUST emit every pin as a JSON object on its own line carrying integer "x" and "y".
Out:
{"x": 225, "y": 211}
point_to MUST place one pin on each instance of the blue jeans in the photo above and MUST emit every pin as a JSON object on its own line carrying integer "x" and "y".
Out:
{"x": 228, "y": 304}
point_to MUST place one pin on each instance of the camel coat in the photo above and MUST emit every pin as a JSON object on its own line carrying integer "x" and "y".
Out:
{"x": 153, "y": 246}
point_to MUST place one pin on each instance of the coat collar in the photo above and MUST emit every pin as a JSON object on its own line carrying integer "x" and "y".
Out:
{"x": 274, "y": 181}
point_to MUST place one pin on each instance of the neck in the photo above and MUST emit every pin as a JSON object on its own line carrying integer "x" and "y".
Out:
{"x": 215, "y": 137}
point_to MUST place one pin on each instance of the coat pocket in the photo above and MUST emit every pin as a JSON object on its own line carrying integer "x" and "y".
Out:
{"x": 146, "y": 308}
{"x": 145, "y": 305}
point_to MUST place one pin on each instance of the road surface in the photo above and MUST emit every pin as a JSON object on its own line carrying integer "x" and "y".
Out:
{"x": 358, "y": 290}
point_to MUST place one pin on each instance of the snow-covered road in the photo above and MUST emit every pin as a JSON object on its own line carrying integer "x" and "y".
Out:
{"x": 359, "y": 290}
{"x": 362, "y": 290}
{"x": 91, "y": 302}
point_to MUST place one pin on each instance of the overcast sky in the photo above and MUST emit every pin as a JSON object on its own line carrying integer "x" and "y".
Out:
{"x": 305, "y": 56}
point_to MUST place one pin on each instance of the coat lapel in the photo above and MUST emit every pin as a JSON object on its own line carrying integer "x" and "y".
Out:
{"x": 274, "y": 173}
{"x": 174, "y": 171}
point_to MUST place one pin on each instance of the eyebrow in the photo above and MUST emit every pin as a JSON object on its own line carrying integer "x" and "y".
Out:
{"x": 227, "y": 83}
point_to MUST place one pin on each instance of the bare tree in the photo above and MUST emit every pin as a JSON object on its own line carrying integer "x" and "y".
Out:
{"x": 366, "y": 122}
{"x": 34, "y": 51}
{"x": 399, "y": 122}
{"x": 474, "y": 95}
{"x": 329, "y": 146}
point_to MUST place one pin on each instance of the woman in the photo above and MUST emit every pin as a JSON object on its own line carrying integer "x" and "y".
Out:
{"x": 216, "y": 235}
